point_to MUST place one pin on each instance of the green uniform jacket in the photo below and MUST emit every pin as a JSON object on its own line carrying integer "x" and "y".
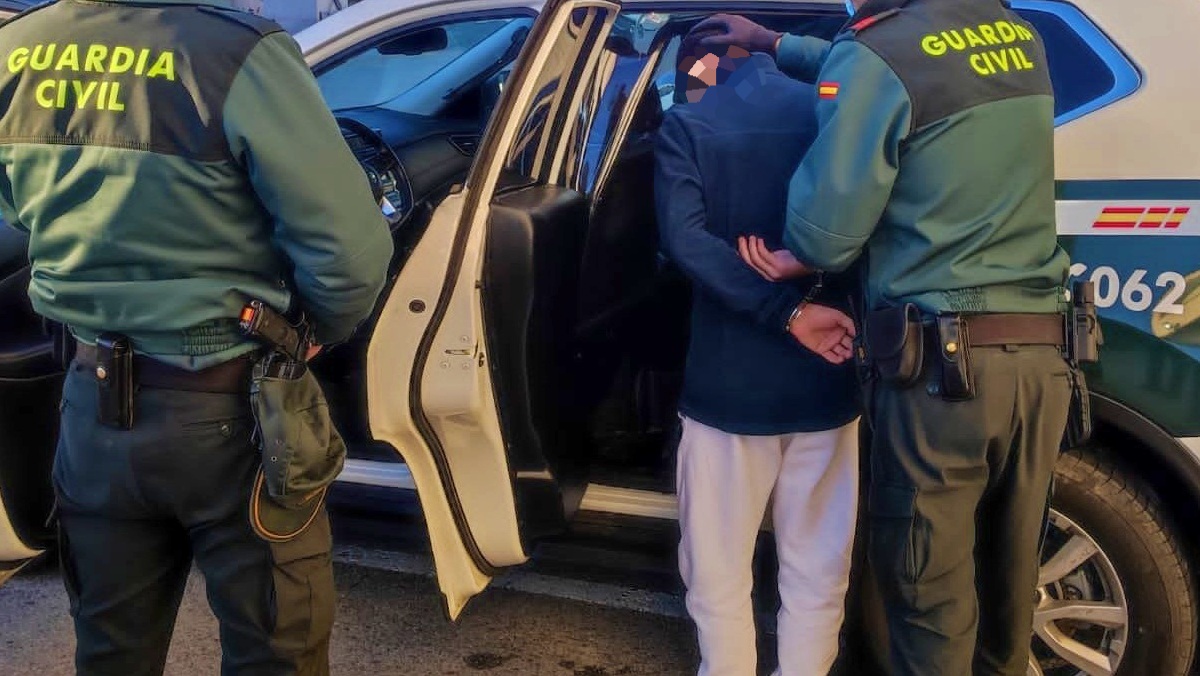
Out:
{"x": 935, "y": 155}
{"x": 170, "y": 159}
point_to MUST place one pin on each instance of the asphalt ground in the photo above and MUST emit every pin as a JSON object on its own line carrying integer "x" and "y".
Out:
{"x": 390, "y": 621}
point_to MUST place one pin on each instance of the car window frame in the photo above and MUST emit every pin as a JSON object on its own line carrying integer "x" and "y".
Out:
{"x": 657, "y": 50}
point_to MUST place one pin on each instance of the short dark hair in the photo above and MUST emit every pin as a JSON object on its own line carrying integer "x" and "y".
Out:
{"x": 691, "y": 47}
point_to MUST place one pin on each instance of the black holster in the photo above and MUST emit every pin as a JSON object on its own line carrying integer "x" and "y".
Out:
{"x": 954, "y": 352}
{"x": 61, "y": 341}
{"x": 1079, "y": 416}
{"x": 114, "y": 381}
{"x": 899, "y": 344}
{"x": 893, "y": 345}
{"x": 1083, "y": 342}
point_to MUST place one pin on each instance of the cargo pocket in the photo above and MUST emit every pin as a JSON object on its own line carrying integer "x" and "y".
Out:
{"x": 895, "y": 550}
{"x": 303, "y": 598}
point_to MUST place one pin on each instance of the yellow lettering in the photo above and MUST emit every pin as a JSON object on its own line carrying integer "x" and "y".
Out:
{"x": 1023, "y": 33}
{"x": 122, "y": 60}
{"x": 43, "y": 100}
{"x": 103, "y": 93}
{"x": 94, "y": 62}
{"x": 114, "y": 102}
{"x": 973, "y": 38}
{"x": 1019, "y": 53}
{"x": 83, "y": 94}
{"x": 43, "y": 56}
{"x": 69, "y": 59}
{"x": 955, "y": 40}
{"x": 17, "y": 59}
{"x": 164, "y": 66}
{"x": 62, "y": 95}
{"x": 1006, "y": 31}
{"x": 998, "y": 59}
{"x": 933, "y": 45}
{"x": 989, "y": 34}
{"x": 141, "y": 64}
{"x": 980, "y": 65}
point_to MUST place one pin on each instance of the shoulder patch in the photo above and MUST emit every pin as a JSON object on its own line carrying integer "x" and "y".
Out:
{"x": 864, "y": 24}
{"x": 30, "y": 10}
{"x": 258, "y": 24}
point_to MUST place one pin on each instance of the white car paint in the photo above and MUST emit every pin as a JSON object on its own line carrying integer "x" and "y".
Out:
{"x": 1119, "y": 141}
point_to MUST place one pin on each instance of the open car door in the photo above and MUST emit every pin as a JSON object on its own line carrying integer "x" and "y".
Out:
{"x": 30, "y": 386}
{"x": 468, "y": 367}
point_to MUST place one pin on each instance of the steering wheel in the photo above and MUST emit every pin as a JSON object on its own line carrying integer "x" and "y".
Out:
{"x": 385, "y": 173}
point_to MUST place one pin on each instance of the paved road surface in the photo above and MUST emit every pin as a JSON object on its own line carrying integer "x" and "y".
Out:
{"x": 389, "y": 623}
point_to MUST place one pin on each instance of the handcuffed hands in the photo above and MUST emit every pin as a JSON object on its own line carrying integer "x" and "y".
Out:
{"x": 774, "y": 266}
{"x": 729, "y": 29}
{"x": 826, "y": 331}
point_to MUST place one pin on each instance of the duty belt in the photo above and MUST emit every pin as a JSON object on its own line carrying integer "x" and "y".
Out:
{"x": 985, "y": 330}
{"x": 232, "y": 376}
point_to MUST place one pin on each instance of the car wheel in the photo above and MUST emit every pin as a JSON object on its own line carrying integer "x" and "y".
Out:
{"x": 1115, "y": 592}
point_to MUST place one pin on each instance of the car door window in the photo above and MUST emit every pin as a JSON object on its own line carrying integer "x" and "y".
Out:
{"x": 419, "y": 69}
{"x": 561, "y": 103}
{"x": 1088, "y": 71}
{"x": 651, "y": 39}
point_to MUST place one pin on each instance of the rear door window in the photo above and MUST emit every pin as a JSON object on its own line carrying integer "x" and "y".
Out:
{"x": 1088, "y": 71}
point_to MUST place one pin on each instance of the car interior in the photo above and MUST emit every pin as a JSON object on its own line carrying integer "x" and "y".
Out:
{"x": 588, "y": 321}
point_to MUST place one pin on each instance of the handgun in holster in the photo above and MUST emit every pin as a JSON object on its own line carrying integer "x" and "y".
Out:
{"x": 1083, "y": 341}
{"x": 287, "y": 343}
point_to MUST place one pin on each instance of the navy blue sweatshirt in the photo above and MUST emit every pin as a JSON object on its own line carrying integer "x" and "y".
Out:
{"x": 722, "y": 169}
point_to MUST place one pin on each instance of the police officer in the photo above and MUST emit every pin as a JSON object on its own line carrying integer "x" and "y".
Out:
{"x": 935, "y": 158}
{"x": 171, "y": 159}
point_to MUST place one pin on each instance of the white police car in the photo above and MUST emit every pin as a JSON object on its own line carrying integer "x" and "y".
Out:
{"x": 523, "y": 365}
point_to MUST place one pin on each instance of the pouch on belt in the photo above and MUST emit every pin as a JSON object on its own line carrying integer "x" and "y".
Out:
{"x": 895, "y": 344}
{"x": 302, "y": 452}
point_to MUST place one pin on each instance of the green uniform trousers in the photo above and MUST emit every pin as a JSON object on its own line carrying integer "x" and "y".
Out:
{"x": 136, "y": 507}
{"x": 957, "y": 511}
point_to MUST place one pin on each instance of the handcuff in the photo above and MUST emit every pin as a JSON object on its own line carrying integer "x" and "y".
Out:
{"x": 808, "y": 298}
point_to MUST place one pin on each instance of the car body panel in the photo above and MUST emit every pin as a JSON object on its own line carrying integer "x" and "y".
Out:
{"x": 1160, "y": 42}
{"x": 1129, "y": 214}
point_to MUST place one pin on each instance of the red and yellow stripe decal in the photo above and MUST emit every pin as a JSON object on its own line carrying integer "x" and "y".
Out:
{"x": 828, "y": 90}
{"x": 1141, "y": 217}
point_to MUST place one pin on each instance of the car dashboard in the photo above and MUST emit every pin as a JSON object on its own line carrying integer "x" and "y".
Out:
{"x": 409, "y": 160}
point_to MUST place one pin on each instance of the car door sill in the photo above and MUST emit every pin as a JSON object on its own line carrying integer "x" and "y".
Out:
{"x": 598, "y": 498}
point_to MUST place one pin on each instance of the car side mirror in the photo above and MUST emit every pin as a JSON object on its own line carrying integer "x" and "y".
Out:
{"x": 412, "y": 44}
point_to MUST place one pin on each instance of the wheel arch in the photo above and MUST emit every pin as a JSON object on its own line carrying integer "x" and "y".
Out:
{"x": 1172, "y": 457}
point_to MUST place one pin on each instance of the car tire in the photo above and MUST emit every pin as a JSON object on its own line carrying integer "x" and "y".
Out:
{"x": 1098, "y": 505}
{"x": 1135, "y": 546}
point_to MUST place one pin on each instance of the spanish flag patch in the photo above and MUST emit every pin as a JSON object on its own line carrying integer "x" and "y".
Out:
{"x": 828, "y": 90}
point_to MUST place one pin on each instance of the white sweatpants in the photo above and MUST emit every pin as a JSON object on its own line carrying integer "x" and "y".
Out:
{"x": 725, "y": 482}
